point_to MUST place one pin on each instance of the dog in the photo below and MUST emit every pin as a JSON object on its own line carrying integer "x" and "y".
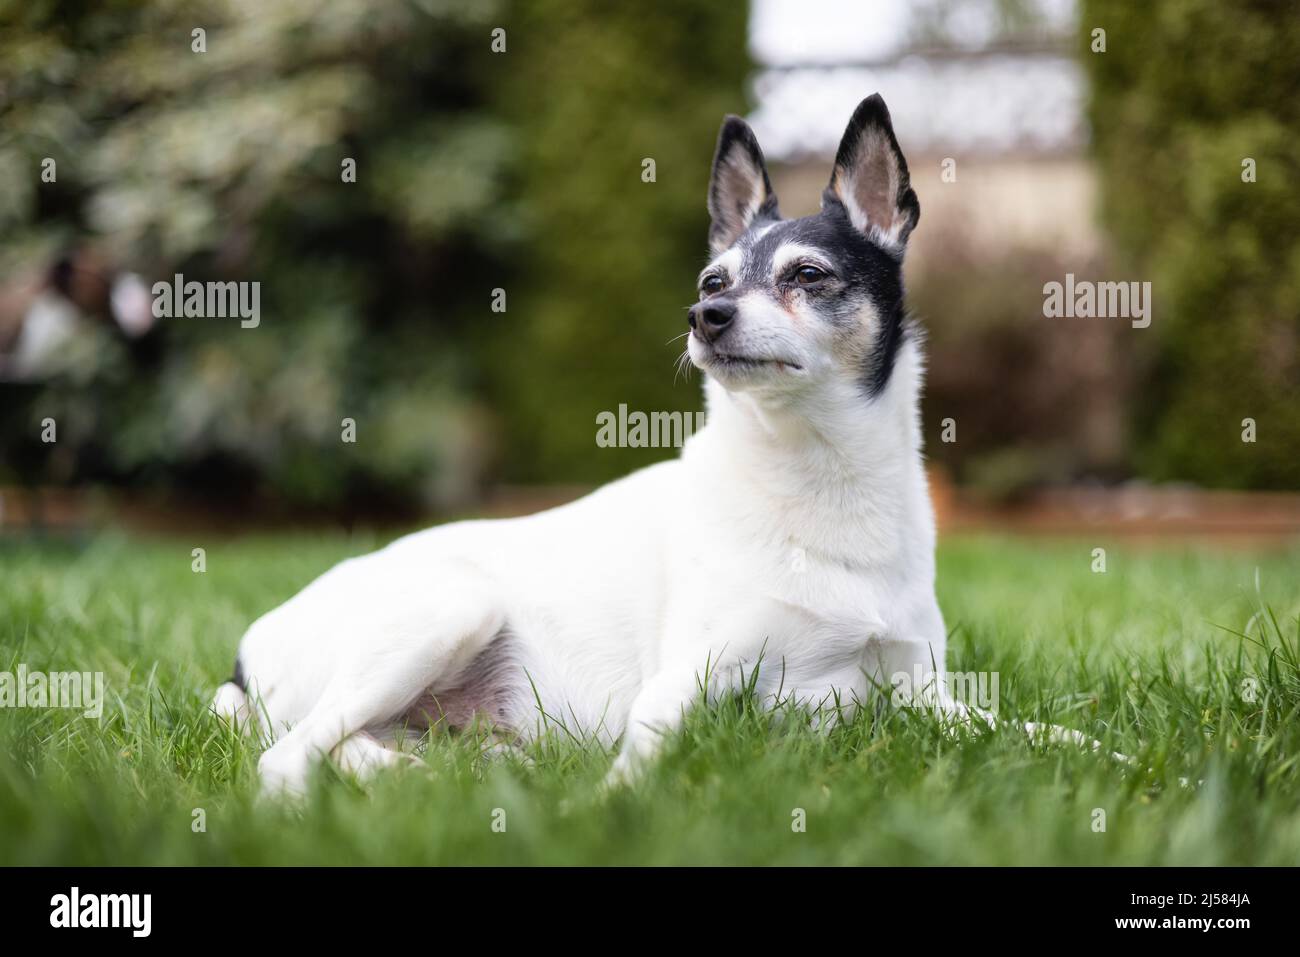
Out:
{"x": 788, "y": 552}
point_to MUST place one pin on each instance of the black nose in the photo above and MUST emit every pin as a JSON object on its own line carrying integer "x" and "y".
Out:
{"x": 711, "y": 319}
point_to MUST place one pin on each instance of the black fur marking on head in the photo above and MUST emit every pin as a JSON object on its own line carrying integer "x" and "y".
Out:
{"x": 239, "y": 678}
{"x": 863, "y": 270}
{"x": 871, "y": 170}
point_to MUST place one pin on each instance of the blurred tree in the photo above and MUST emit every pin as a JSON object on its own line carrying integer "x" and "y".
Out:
{"x": 227, "y": 164}
{"x": 594, "y": 89}
{"x": 1185, "y": 93}
{"x": 476, "y": 169}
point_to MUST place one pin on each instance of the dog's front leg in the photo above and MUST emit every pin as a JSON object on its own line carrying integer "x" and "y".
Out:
{"x": 657, "y": 711}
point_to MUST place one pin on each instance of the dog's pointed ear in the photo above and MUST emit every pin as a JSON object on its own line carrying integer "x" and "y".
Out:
{"x": 739, "y": 189}
{"x": 870, "y": 178}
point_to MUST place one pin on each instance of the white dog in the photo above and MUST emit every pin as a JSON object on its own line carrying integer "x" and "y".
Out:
{"x": 793, "y": 539}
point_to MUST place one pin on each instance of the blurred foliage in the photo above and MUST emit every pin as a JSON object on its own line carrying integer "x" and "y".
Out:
{"x": 476, "y": 170}
{"x": 975, "y": 23}
{"x": 1030, "y": 403}
{"x": 602, "y": 87}
{"x": 1187, "y": 90}
{"x": 523, "y": 171}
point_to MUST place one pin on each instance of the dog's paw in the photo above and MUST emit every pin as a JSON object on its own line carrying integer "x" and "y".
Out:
{"x": 623, "y": 774}
{"x": 230, "y": 703}
{"x": 283, "y": 774}
{"x": 363, "y": 756}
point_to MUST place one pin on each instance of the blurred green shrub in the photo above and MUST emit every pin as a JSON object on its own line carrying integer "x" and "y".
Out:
{"x": 227, "y": 164}
{"x": 475, "y": 171}
{"x": 1186, "y": 91}
{"x": 598, "y": 89}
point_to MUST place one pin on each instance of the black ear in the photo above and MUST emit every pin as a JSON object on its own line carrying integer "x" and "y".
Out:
{"x": 870, "y": 178}
{"x": 739, "y": 190}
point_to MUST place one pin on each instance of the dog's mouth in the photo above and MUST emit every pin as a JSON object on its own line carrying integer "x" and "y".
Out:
{"x": 737, "y": 363}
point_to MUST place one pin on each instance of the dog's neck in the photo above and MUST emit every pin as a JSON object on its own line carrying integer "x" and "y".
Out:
{"x": 833, "y": 470}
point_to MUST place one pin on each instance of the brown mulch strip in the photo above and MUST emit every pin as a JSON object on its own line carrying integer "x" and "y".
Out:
{"x": 1142, "y": 511}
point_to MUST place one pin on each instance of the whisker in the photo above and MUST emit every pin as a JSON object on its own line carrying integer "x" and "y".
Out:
{"x": 683, "y": 365}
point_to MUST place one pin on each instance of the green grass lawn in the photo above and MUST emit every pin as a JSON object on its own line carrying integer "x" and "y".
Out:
{"x": 1184, "y": 659}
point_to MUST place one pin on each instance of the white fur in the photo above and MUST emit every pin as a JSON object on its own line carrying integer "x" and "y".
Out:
{"x": 728, "y": 264}
{"x": 794, "y": 252}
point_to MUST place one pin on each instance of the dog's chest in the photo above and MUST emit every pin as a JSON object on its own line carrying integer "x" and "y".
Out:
{"x": 816, "y": 616}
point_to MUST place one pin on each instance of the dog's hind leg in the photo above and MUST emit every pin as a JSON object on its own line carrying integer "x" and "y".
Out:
{"x": 413, "y": 641}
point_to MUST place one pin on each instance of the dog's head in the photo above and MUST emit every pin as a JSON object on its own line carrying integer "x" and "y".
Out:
{"x": 788, "y": 303}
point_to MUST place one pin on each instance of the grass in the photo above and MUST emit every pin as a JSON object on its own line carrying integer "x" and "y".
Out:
{"x": 1157, "y": 657}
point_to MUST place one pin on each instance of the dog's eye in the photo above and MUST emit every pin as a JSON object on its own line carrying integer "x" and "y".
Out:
{"x": 807, "y": 275}
{"x": 712, "y": 285}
